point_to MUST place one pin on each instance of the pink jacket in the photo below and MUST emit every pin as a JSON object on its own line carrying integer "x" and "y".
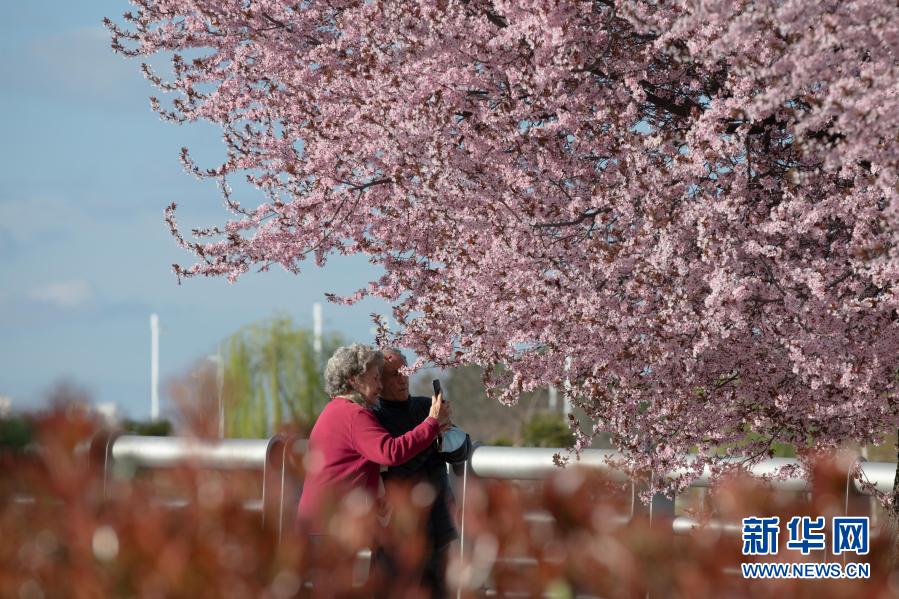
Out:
{"x": 346, "y": 448}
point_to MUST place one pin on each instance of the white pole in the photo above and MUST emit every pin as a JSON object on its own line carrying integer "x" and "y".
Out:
{"x": 553, "y": 398}
{"x": 154, "y": 366}
{"x": 462, "y": 530}
{"x": 317, "y": 332}
{"x": 566, "y": 408}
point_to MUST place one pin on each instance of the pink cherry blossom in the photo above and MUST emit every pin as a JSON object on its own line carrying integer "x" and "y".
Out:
{"x": 695, "y": 202}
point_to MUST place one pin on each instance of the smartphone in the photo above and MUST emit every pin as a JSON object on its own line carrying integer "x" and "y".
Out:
{"x": 437, "y": 390}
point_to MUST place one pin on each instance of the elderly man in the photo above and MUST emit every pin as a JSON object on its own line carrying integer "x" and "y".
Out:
{"x": 400, "y": 413}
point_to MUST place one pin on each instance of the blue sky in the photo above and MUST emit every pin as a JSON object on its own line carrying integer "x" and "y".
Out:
{"x": 87, "y": 169}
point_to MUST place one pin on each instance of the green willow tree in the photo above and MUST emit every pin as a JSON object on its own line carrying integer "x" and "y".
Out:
{"x": 273, "y": 378}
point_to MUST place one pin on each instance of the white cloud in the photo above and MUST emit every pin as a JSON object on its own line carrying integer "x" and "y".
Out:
{"x": 63, "y": 294}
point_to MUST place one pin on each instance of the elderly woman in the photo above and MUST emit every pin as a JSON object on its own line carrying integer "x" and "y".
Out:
{"x": 348, "y": 444}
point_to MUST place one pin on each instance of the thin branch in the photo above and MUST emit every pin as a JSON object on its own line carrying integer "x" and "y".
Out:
{"x": 588, "y": 215}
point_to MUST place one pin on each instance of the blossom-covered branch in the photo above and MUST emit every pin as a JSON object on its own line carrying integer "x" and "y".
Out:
{"x": 660, "y": 196}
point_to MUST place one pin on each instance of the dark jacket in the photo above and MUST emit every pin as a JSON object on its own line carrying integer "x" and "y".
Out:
{"x": 400, "y": 417}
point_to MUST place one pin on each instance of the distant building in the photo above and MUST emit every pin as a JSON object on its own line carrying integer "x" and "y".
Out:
{"x": 5, "y": 406}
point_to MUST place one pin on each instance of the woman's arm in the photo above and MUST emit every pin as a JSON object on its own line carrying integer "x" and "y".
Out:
{"x": 375, "y": 443}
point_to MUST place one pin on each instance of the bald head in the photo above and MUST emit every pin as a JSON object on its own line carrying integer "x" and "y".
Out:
{"x": 394, "y": 384}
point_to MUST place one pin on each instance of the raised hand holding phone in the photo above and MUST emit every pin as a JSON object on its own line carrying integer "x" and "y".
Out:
{"x": 453, "y": 437}
{"x": 439, "y": 409}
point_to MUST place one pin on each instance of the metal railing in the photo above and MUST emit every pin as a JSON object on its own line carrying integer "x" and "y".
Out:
{"x": 271, "y": 457}
{"x": 280, "y": 490}
{"x": 535, "y": 463}
{"x": 161, "y": 452}
{"x": 268, "y": 456}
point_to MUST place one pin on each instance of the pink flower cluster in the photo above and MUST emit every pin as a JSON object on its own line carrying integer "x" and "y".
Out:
{"x": 694, "y": 202}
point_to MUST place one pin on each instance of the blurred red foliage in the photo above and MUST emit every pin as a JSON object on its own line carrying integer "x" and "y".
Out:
{"x": 67, "y": 533}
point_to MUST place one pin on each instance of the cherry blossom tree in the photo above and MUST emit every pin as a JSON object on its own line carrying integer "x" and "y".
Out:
{"x": 684, "y": 213}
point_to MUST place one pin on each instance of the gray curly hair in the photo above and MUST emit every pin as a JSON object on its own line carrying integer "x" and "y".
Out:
{"x": 346, "y": 363}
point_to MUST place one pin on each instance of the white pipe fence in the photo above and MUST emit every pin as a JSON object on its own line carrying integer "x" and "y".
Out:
{"x": 280, "y": 491}
{"x": 511, "y": 463}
